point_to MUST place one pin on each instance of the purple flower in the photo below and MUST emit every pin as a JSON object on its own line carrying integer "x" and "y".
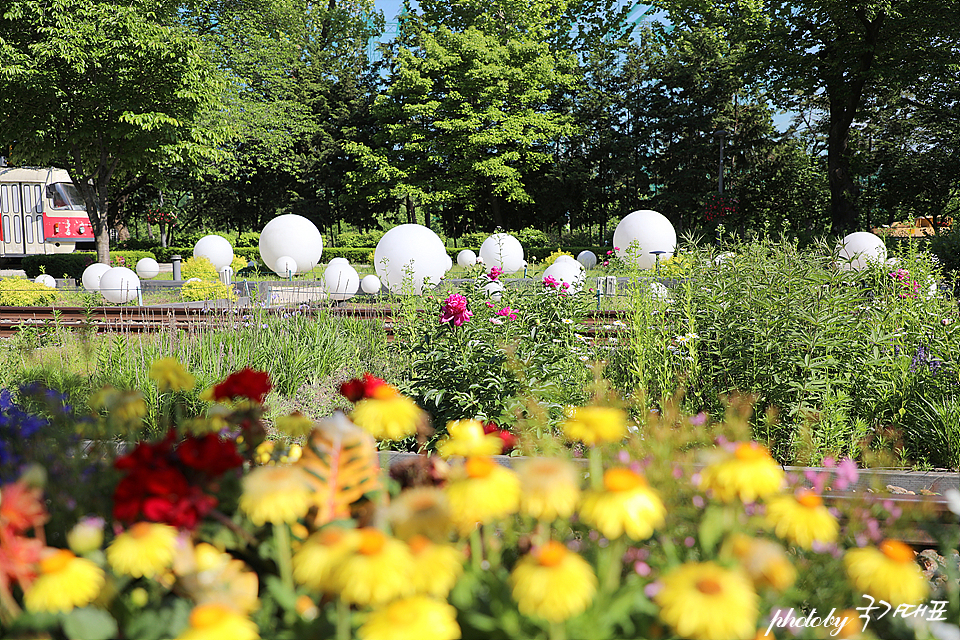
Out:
{"x": 847, "y": 473}
{"x": 455, "y": 310}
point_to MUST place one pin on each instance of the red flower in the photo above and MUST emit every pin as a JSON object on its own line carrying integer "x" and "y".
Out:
{"x": 209, "y": 454}
{"x": 245, "y": 383}
{"x": 369, "y": 387}
{"x": 508, "y": 439}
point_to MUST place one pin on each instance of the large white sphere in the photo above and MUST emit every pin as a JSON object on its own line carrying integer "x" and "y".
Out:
{"x": 494, "y": 289}
{"x": 147, "y": 268}
{"x": 285, "y": 266}
{"x": 504, "y": 251}
{"x": 47, "y": 280}
{"x": 587, "y": 258}
{"x": 466, "y": 258}
{"x": 92, "y": 274}
{"x": 119, "y": 284}
{"x": 371, "y": 284}
{"x": 857, "y": 250}
{"x": 294, "y": 236}
{"x": 410, "y": 249}
{"x": 651, "y": 231}
{"x": 216, "y": 249}
{"x": 341, "y": 281}
{"x": 571, "y": 273}
{"x": 339, "y": 261}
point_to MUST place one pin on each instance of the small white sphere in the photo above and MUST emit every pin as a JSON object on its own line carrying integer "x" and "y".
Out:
{"x": 292, "y": 236}
{"x": 411, "y": 253}
{"x": 466, "y": 258}
{"x": 47, "y": 280}
{"x": 341, "y": 281}
{"x": 504, "y": 251}
{"x": 147, "y": 268}
{"x": 588, "y": 259}
{"x": 371, "y": 284}
{"x": 119, "y": 284}
{"x": 192, "y": 280}
{"x": 285, "y": 266}
{"x": 642, "y": 232}
{"x": 92, "y": 274}
{"x": 339, "y": 261}
{"x": 858, "y": 250}
{"x": 571, "y": 273}
{"x": 494, "y": 289}
{"x": 216, "y": 249}
{"x": 659, "y": 291}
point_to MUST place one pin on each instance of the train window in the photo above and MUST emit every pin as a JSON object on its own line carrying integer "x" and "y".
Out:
{"x": 15, "y": 192}
{"x": 6, "y": 228}
{"x": 4, "y": 199}
{"x": 65, "y": 196}
{"x": 40, "y": 236}
{"x": 28, "y": 227}
{"x": 37, "y": 199}
{"x": 17, "y": 235}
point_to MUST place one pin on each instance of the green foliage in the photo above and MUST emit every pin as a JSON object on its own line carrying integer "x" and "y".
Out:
{"x": 359, "y": 239}
{"x": 73, "y": 264}
{"x": 550, "y": 259}
{"x": 18, "y": 292}
{"x": 206, "y": 290}
{"x": 198, "y": 268}
{"x": 946, "y": 246}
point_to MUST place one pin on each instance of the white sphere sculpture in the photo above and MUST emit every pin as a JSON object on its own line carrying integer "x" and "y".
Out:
{"x": 47, "y": 280}
{"x": 371, "y": 284}
{"x": 857, "y": 250}
{"x": 651, "y": 231}
{"x": 216, "y": 249}
{"x": 587, "y": 258}
{"x": 504, "y": 251}
{"x": 412, "y": 252}
{"x": 466, "y": 258}
{"x": 285, "y": 266}
{"x": 92, "y": 274}
{"x": 339, "y": 261}
{"x": 571, "y": 273}
{"x": 340, "y": 281}
{"x": 147, "y": 268}
{"x": 294, "y": 236}
{"x": 494, "y": 289}
{"x": 119, "y": 284}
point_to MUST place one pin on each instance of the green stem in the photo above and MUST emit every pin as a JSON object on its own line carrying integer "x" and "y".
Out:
{"x": 614, "y": 568}
{"x": 343, "y": 620}
{"x": 558, "y": 631}
{"x": 476, "y": 549}
{"x": 596, "y": 469}
{"x": 281, "y": 536}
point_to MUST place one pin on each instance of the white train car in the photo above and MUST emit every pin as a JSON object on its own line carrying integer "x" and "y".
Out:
{"x": 40, "y": 212}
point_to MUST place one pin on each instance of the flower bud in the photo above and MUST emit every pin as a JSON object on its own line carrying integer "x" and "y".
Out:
{"x": 86, "y": 535}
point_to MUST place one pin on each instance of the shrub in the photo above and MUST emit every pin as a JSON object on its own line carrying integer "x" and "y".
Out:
{"x": 18, "y": 292}
{"x": 72, "y": 265}
{"x": 358, "y": 239}
{"x": 198, "y": 268}
{"x": 212, "y": 290}
{"x": 550, "y": 259}
{"x": 946, "y": 247}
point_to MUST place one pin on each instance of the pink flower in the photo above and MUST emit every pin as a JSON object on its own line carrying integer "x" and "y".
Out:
{"x": 495, "y": 273}
{"x": 455, "y": 310}
{"x": 847, "y": 473}
{"x": 606, "y": 263}
{"x": 507, "y": 312}
{"x": 496, "y": 320}
{"x": 551, "y": 282}
{"x": 616, "y": 248}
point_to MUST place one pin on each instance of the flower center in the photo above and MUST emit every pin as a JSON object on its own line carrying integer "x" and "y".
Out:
{"x": 371, "y": 541}
{"x": 809, "y": 499}
{"x": 56, "y": 561}
{"x": 480, "y": 467}
{"x": 709, "y": 586}
{"x": 140, "y": 530}
{"x": 418, "y": 544}
{"x": 207, "y": 615}
{"x": 551, "y": 554}
{"x": 896, "y": 551}
{"x": 331, "y": 537}
{"x": 750, "y": 451}
{"x": 623, "y": 480}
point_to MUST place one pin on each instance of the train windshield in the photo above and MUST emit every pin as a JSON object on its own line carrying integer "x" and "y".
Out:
{"x": 65, "y": 196}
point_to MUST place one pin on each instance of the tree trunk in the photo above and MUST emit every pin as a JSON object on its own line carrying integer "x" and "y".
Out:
{"x": 103, "y": 244}
{"x": 495, "y": 210}
{"x": 163, "y": 235}
{"x": 843, "y": 189}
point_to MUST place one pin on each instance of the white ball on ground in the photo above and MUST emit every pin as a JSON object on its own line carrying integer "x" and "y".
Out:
{"x": 285, "y": 266}
{"x": 92, "y": 274}
{"x": 504, "y": 251}
{"x": 119, "y": 284}
{"x": 147, "y": 268}
{"x": 587, "y": 258}
{"x": 859, "y": 250}
{"x": 371, "y": 284}
{"x": 216, "y": 249}
{"x": 640, "y": 234}
{"x": 341, "y": 281}
{"x": 292, "y": 236}
{"x": 466, "y": 258}
{"x": 409, "y": 255}
{"x": 47, "y": 280}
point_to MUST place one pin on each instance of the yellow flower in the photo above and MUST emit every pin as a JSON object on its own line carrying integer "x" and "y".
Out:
{"x": 218, "y": 622}
{"x": 314, "y": 562}
{"x": 275, "y": 494}
{"x": 887, "y": 573}
{"x": 123, "y": 406}
{"x": 803, "y": 519}
{"x": 466, "y": 438}
{"x": 416, "y": 618}
{"x": 482, "y": 492}
{"x": 207, "y": 575}
{"x": 436, "y": 567}
{"x": 627, "y": 505}
{"x": 549, "y": 488}
{"x": 65, "y": 582}
{"x": 294, "y": 425}
{"x": 420, "y": 511}
{"x": 749, "y": 472}
{"x": 392, "y": 418}
{"x": 377, "y": 572}
{"x": 171, "y": 376}
{"x": 86, "y": 535}
{"x": 704, "y": 601}
{"x": 765, "y": 561}
{"x": 144, "y": 550}
{"x": 595, "y": 425}
{"x": 553, "y": 583}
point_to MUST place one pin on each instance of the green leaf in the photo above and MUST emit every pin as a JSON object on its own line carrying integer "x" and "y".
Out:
{"x": 283, "y": 595}
{"x": 716, "y": 520}
{"x": 89, "y": 623}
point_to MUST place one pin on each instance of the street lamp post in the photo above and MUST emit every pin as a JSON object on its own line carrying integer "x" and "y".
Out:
{"x": 720, "y": 133}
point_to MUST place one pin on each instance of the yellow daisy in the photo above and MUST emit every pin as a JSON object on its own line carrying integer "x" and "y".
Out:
{"x": 627, "y": 505}
{"x": 420, "y": 511}
{"x": 553, "y": 583}
{"x": 748, "y": 472}
{"x": 315, "y": 561}
{"x": 144, "y": 550}
{"x": 481, "y": 492}
{"x": 415, "y": 618}
{"x": 595, "y": 425}
{"x": 803, "y": 519}
{"x": 218, "y": 622}
{"x": 377, "y": 572}
{"x": 704, "y": 601}
{"x": 275, "y": 494}
{"x": 466, "y": 438}
{"x": 294, "y": 425}
{"x": 171, "y": 376}
{"x": 549, "y": 488}
{"x": 436, "y": 567}
{"x": 887, "y": 573}
{"x": 392, "y": 418}
{"x": 765, "y": 561}
{"x": 65, "y": 582}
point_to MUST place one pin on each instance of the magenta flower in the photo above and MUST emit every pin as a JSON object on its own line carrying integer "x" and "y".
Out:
{"x": 606, "y": 263}
{"x": 847, "y": 473}
{"x": 551, "y": 282}
{"x": 495, "y": 273}
{"x": 507, "y": 312}
{"x": 455, "y": 310}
